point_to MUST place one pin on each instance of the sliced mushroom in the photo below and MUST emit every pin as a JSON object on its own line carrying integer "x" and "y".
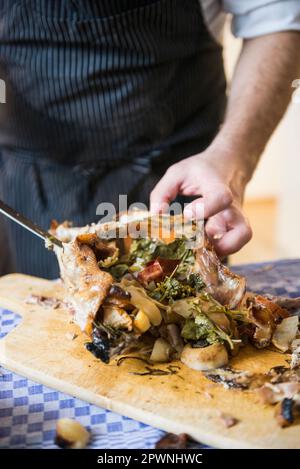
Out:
{"x": 206, "y": 358}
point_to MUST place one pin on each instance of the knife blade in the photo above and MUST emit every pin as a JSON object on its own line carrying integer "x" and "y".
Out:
{"x": 28, "y": 224}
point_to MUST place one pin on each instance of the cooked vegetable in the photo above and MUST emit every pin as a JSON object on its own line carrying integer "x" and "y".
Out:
{"x": 174, "y": 250}
{"x": 206, "y": 358}
{"x": 174, "y": 337}
{"x": 116, "y": 317}
{"x": 221, "y": 320}
{"x": 141, "y": 321}
{"x": 141, "y": 301}
{"x": 71, "y": 434}
{"x": 161, "y": 351}
{"x": 183, "y": 307}
{"x": 142, "y": 250}
{"x": 285, "y": 333}
{"x": 172, "y": 289}
{"x": 118, "y": 270}
{"x": 202, "y": 327}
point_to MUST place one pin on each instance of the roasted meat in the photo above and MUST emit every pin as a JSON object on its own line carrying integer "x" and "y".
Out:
{"x": 263, "y": 317}
{"x": 225, "y": 286}
{"x": 180, "y": 300}
{"x": 86, "y": 284}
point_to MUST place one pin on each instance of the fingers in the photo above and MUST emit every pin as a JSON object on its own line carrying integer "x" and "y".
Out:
{"x": 216, "y": 227}
{"x": 229, "y": 231}
{"x": 215, "y": 198}
{"x": 226, "y": 226}
{"x": 165, "y": 190}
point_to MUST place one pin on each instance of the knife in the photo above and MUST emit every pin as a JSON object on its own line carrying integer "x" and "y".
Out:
{"x": 28, "y": 224}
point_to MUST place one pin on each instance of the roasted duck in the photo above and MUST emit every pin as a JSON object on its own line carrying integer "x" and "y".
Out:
{"x": 162, "y": 296}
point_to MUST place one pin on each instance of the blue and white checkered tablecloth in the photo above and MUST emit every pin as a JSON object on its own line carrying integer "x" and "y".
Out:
{"x": 29, "y": 411}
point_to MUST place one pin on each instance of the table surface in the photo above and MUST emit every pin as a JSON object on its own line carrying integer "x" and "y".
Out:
{"x": 29, "y": 411}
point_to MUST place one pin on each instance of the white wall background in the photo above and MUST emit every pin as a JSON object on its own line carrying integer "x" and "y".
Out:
{"x": 288, "y": 219}
{"x": 278, "y": 173}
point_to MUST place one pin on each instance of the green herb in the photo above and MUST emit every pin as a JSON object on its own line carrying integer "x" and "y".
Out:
{"x": 142, "y": 249}
{"x": 193, "y": 330}
{"x": 189, "y": 260}
{"x": 110, "y": 261}
{"x": 147, "y": 250}
{"x": 118, "y": 270}
{"x": 196, "y": 282}
{"x": 201, "y": 327}
{"x": 175, "y": 250}
{"x": 171, "y": 289}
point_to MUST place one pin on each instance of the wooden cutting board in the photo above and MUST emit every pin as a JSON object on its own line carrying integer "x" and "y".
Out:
{"x": 41, "y": 348}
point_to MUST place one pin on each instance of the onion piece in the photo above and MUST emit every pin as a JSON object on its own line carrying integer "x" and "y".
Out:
{"x": 161, "y": 351}
{"x": 285, "y": 333}
{"x": 140, "y": 300}
{"x": 221, "y": 320}
{"x": 183, "y": 307}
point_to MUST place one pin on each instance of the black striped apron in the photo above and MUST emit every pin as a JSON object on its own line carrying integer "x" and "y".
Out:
{"x": 101, "y": 97}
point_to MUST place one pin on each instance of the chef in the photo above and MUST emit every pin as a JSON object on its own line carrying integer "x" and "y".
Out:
{"x": 109, "y": 97}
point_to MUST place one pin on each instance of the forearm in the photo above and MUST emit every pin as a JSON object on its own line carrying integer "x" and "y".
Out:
{"x": 260, "y": 93}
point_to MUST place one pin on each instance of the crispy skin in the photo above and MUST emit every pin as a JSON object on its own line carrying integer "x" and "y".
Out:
{"x": 292, "y": 305}
{"x": 263, "y": 315}
{"x": 225, "y": 286}
{"x": 86, "y": 285}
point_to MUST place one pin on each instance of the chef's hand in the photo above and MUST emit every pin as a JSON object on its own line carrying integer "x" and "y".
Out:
{"x": 219, "y": 182}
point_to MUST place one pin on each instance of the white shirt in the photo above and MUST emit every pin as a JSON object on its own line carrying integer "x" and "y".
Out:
{"x": 251, "y": 18}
